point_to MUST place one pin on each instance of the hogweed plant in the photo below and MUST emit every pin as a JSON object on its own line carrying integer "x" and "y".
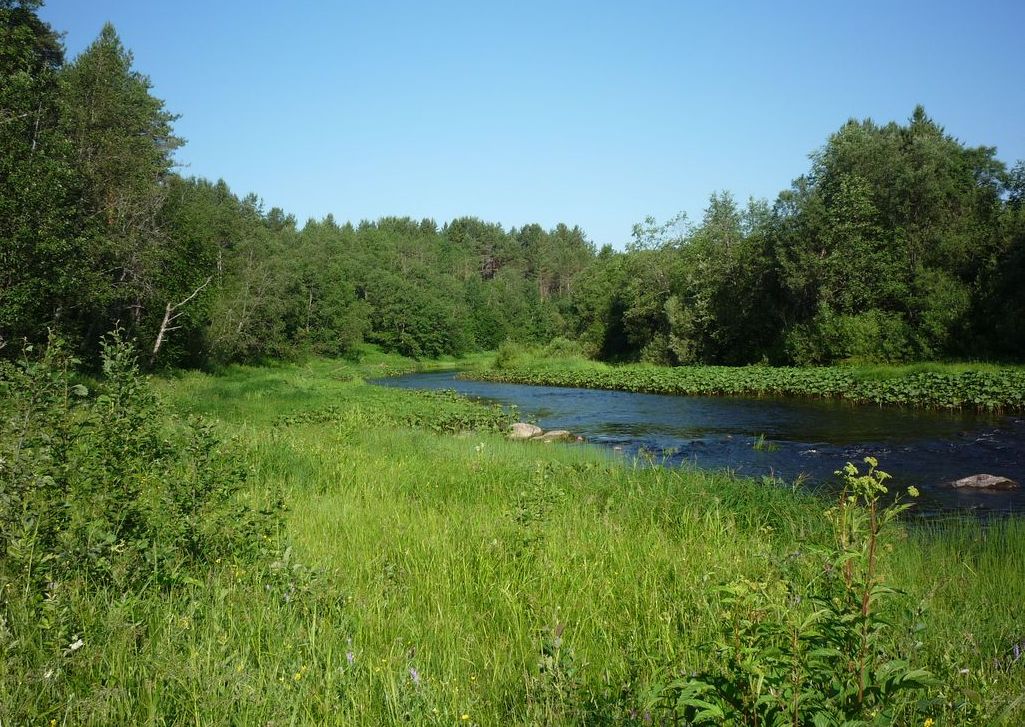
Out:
{"x": 815, "y": 651}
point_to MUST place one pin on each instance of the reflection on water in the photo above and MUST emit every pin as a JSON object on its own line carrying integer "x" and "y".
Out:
{"x": 810, "y": 438}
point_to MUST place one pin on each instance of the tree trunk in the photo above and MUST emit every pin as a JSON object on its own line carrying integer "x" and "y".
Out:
{"x": 171, "y": 314}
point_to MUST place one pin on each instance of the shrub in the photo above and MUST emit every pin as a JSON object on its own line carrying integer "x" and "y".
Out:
{"x": 871, "y": 336}
{"x": 561, "y": 347}
{"x": 657, "y": 351}
{"x": 110, "y": 489}
{"x": 509, "y": 355}
{"x": 820, "y": 652}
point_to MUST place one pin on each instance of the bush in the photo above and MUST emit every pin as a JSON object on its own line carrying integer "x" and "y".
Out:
{"x": 115, "y": 513}
{"x": 561, "y": 347}
{"x": 657, "y": 351}
{"x": 509, "y": 355}
{"x": 873, "y": 336}
{"x": 820, "y": 652}
{"x": 111, "y": 490}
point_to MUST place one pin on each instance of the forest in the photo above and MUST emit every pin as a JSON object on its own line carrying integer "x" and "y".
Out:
{"x": 900, "y": 243}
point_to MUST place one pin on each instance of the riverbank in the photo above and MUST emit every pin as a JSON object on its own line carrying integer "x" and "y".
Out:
{"x": 427, "y": 570}
{"x": 977, "y": 387}
{"x": 787, "y": 438}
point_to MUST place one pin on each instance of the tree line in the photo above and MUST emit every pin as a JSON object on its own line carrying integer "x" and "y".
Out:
{"x": 899, "y": 243}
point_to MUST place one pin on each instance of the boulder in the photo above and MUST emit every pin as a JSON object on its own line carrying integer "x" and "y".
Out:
{"x": 986, "y": 482}
{"x": 556, "y": 435}
{"x": 522, "y": 430}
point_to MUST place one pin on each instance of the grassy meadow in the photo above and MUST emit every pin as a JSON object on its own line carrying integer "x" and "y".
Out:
{"x": 428, "y": 571}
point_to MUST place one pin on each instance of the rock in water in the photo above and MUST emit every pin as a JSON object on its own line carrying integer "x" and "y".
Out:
{"x": 522, "y": 430}
{"x": 986, "y": 482}
{"x": 556, "y": 435}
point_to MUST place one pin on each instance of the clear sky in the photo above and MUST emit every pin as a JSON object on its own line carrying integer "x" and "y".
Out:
{"x": 591, "y": 113}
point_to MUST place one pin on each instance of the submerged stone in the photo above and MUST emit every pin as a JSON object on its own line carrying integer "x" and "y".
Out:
{"x": 556, "y": 435}
{"x": 986, "y": 482}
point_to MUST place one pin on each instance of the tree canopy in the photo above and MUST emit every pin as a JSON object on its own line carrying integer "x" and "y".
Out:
{"x": 900, "y": 242}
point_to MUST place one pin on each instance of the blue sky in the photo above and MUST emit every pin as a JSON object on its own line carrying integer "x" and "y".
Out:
{"x": 588, "y": 113}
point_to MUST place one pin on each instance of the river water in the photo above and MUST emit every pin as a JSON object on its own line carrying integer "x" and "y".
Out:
{"x": 803, "y": 438}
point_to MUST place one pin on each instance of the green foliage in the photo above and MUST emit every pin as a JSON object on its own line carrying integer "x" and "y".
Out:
{"x": 555, "y": 694}
{"x": 122, "y": 144}
{"x": 102, "y": 487}
{"x": 817, "y": 652}
{"x": 435, "y": 411}
{"x": 871, "y": 336}
{"x": 409, "y": 318}
{"x": 509, "y": 354}
{"x": 893, "y": 224}
{"x": 685, "y": 293}
{"x": 434, "y": 576}
{"x": 562, "y": 347}
{"x": 41, "y": 247}
{"x": 99, "y": 231}
{"x": 900, "y": 243}
{"x": 761, "y": 444}
{"x": 886, "y": 250}
{"x": 982, "y": 389}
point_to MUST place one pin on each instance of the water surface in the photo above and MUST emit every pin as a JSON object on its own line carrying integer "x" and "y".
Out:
{"x": 810, "y": 438}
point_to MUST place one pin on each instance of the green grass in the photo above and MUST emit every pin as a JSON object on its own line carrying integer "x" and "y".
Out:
{"x": 467, "y": 563}
{"x": 952, "y": 386}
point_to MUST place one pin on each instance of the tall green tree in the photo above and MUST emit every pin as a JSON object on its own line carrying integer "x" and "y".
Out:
{"x": 999, "y": 305}
{"x": 885, "y": 240}
{"x": 123, "y": 145}
{"x": 44, "y": 260}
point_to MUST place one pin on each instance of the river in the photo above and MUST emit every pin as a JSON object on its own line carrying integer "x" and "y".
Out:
{"x": 786, "y": 438}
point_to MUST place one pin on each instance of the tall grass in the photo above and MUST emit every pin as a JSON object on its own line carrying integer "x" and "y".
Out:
{"x": 464, "y": 579}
